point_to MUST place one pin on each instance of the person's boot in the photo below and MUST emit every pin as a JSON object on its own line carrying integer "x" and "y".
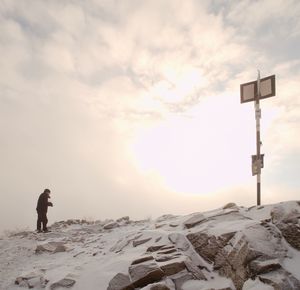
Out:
{"x": 39, "y": 231}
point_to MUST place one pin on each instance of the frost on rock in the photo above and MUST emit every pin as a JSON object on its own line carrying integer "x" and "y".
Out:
{"x": 228, "y": 248}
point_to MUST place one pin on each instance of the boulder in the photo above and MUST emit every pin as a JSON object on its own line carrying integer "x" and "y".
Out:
{"x": 229, "y": 205}
{"x": 63, "y": 283}
{"x": 111, "y": 225}
{"x": 144, "y": 274}
{"x": 120, "y": 282}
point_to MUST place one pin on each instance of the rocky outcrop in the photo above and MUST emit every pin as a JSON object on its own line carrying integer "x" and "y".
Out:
{"x": 240, "y": 256}
{"x": 288, "y": 224}
{"x": 244, "y": 256}
{"x": 245, "y": 249}
{"x": 208, "y": 246}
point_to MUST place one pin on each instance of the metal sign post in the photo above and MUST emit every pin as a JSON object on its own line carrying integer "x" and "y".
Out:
{"x": 258, "y": 142}
{"x": 255, "y": 91}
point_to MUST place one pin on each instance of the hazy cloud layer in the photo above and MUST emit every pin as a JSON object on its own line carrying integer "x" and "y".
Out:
{"x": 117, "y": 105}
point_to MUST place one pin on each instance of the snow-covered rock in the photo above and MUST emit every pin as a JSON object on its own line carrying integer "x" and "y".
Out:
{"x": 230, "y": 247}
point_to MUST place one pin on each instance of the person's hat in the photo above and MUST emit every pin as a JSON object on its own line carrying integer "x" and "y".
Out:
{"x": 47, "y": 190}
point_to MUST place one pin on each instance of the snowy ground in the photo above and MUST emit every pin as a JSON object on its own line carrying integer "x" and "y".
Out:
{"x": 94, "y": 255}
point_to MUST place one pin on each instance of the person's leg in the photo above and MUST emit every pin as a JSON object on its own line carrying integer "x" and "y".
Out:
{"x": 45, "y": 221}
{"x": 39, "y": 221}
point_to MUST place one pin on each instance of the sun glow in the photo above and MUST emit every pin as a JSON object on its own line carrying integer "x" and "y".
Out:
{"x": 197, "y": 154}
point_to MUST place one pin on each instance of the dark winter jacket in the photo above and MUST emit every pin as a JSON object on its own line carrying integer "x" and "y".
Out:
{"x": 43, "y": 203}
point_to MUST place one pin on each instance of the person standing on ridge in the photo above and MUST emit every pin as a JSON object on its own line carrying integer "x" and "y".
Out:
{"x": 42, "y": 208}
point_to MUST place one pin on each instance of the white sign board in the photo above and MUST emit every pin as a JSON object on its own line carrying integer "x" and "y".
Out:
{"x": 249, "y": 90}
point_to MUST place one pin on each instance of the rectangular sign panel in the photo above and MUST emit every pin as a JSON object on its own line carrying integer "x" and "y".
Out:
{"x": 249, "y": 90}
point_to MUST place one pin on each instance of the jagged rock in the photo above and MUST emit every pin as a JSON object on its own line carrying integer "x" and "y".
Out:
{"x": 229, "y": 205}
{"x": 261, "y": 266}
{"x": 173, "y": 267}
{"x": 233, "y": 261}
{"x": 65, "y": 283}
{"x": 194, "y": 220}
{"x": 155, "y": 248}
{"x": 140, "y": 242}
{"x": 111, "y": 225}
{"x": 179, "y": 240}
{"x": 208, "y": 246}
{"x": 180, "y": 278}
{"x": 194, "y": 270}
{"x": 120, "y": 282}
{"x": 52, "y": 247}
{"x": 291, "y": 233}
{"x": 143, "y": 274}
{"x": 288, "y": 224}
{"x": 280, "y": 280}
{"x": 142, "y": 259}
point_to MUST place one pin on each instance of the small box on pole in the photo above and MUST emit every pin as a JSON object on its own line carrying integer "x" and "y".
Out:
{"x": 256, "y": 163}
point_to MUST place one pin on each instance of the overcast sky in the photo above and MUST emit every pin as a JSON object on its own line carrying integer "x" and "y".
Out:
{"x": 133, "y": 107}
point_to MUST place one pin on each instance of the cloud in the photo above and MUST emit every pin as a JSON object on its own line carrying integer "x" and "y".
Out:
{"x": 82, "y": 81}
